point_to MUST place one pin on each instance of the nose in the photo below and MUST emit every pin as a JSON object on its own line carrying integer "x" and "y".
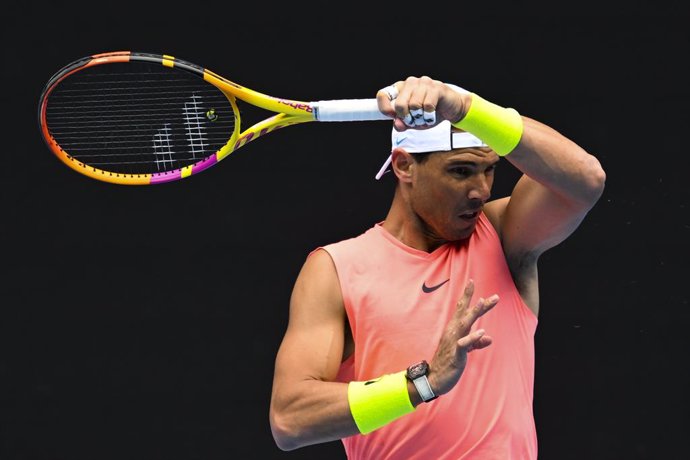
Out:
{"x": 480, "y": 188}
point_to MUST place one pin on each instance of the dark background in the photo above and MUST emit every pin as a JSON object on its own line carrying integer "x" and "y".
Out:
{"x": 143, "y": 322}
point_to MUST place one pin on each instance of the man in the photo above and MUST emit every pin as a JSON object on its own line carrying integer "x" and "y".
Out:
{"x": 376, "y": 352}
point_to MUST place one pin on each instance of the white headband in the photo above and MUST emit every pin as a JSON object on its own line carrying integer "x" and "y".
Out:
{"x": 440, "y": 138}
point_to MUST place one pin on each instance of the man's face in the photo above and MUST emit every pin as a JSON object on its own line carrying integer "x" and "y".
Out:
{"x": 449, "y": 189}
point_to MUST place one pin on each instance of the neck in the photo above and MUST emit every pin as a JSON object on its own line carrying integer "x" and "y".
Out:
{"x": 407, "y": 227}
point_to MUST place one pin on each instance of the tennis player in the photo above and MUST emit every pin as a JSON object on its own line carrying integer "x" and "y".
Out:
{"x": 415, "y": 339}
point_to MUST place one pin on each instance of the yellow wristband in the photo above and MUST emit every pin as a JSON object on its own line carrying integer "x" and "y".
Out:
{"x": 377, "y": 402}
{"x": 499, "y": 127}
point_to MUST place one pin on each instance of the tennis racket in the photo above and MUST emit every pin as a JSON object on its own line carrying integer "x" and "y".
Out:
{"x": 140, "y": 119}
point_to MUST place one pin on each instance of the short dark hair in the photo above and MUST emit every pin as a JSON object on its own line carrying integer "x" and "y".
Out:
{"x": 420, "y": 157}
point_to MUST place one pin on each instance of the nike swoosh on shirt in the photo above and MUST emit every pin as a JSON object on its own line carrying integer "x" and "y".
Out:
{"x": 428, "y": 289}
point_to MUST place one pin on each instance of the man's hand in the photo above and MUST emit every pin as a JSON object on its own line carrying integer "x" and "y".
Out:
{"x": 422, "y": 103}
{"x": 450, "y": 358}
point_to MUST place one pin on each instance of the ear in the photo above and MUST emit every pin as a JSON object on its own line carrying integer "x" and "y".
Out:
{"x": 402, "y": 164}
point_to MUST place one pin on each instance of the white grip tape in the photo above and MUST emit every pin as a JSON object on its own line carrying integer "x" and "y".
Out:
{"x": 348, "y": 110}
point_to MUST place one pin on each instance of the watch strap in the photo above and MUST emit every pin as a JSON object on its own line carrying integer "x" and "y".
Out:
{"x": 424, "y": 388}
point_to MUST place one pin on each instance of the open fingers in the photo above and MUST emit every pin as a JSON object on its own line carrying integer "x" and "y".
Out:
{"x": 466, "y": 296}
{"x": 474, "y": 341}
{"x": 466, "y": 313}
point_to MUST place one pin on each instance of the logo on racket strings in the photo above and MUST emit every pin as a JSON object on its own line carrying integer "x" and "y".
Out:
{"x": 212, "y": 115}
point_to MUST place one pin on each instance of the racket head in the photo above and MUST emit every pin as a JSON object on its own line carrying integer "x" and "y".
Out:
{"x": 140, "y": 118}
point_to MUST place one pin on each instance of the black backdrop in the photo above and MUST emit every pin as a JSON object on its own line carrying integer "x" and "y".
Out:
{"x": 142, "y": 322}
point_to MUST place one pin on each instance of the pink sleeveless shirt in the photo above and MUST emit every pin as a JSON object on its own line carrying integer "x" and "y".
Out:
{"x": 398, "y": 302}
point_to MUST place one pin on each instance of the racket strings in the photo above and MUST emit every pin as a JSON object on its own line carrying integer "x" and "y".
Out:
{"x": 148, "y": 120}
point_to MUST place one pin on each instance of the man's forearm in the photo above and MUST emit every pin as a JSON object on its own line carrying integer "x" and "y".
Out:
{"x": 311, "y": 412}
{"x": 558, "y": 163}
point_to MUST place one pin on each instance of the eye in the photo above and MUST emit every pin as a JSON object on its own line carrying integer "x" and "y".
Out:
{"x": 463, "y": 171}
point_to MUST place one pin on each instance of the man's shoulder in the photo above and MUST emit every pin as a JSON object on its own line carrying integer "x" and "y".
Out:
{"x": 354, "y": 247}
{"x": 355, "y": 240}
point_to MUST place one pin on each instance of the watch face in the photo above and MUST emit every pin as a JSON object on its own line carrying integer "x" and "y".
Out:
{"x": 417, "y": 370}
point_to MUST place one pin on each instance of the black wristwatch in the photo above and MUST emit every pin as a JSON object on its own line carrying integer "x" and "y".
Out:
{"x": 417, "y": 373}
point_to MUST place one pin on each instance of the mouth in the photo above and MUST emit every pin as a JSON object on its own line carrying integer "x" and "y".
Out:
{"x": 469, "y": 215}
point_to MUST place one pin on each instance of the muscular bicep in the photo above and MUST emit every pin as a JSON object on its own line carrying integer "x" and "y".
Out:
{"x": 307, "y": 405}
{"x": 534, "y": 219}
{"x": 312, "y": 347}
{"x": 560, "y": 184}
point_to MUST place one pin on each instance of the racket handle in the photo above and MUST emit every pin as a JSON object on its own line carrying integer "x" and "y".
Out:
{"x": 348, "y": 110}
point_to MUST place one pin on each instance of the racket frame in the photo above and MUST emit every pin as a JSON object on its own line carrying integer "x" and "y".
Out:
{"x": 287, "y": 112}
